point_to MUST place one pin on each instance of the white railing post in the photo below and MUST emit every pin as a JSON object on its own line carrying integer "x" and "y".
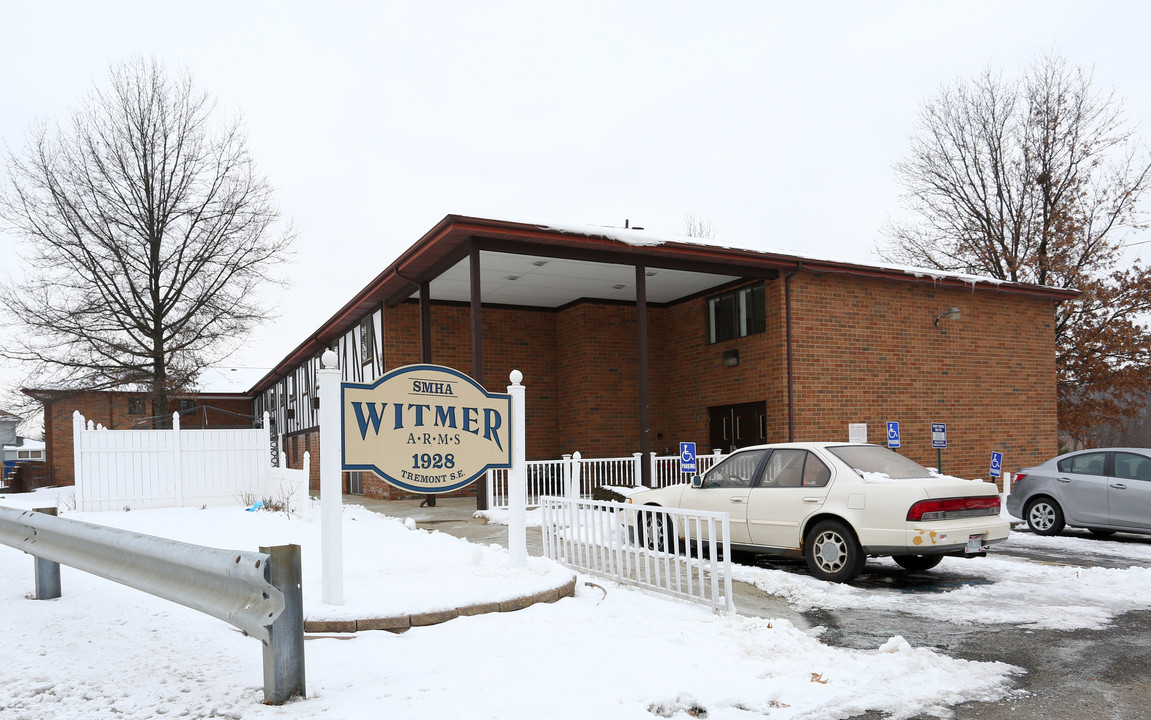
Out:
{"x": 566, "y": 490}
{"x": 306, "y": 498}
{"x": 517, "y": 477}
{"x": 491, "y": 488}
{"x": 77, "y": 457}
{"x": 281, "y": 452}
{"x": 266, "y": 439}
{"x": 178, "y": 461}
{"x": 654, "y": 470}
{"x": 637, "y": 469}
{"x": 577, "y": 476}
{"x": 331, "y": 487}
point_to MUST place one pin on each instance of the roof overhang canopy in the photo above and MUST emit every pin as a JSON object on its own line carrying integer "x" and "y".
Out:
{"x": 549, "y": 266}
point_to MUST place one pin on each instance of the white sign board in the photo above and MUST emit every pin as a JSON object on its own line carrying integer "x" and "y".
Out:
{"x": 857, "y": 432}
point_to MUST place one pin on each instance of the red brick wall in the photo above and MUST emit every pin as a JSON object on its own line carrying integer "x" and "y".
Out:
{"x": 514, "y": 339}
{"x": 865, "y": 350}
{"x": 870, "y": 352}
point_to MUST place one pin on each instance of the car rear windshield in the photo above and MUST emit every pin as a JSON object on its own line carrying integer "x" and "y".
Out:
{"x": 876, "y": 459}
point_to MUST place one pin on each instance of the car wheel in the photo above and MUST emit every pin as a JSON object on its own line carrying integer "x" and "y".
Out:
{"x": 917, "y": 563}
{"x": 832, "y": 552}
{"x": 1044, "y": 516}
{"x": 1100, "y": 532}
{"x": 653, "y": 530}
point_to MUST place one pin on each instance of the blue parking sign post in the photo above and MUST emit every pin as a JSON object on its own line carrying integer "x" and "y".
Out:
{"x": 893, "y": 435}
{"x": 687, "y": 457}
{"x": 939, "y": 441}
{"x": 996, "y": 464}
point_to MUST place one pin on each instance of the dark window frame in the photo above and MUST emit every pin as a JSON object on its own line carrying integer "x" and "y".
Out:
{"x": 367, "y": 340}
{"x": 137, "y": 406}
{"x": 735, "y": 314}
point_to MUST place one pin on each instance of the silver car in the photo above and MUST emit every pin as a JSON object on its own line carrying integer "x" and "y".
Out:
{"x": 1104, "y": 490}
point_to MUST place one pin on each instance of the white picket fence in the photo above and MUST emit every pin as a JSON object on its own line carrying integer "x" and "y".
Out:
{"x": 575, "y": 476}
{"x": 646, "y": 546}
{"x": 143, "y": 469}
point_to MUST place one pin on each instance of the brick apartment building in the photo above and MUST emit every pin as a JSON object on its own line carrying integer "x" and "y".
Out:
{"x": 633, "y": 342}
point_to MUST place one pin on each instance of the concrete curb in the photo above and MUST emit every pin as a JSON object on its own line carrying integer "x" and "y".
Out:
{"x": 400, "y": 623}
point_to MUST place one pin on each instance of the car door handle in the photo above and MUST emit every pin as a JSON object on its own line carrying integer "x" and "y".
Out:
{"x": 812, "y": 500}
{"x": 1063, "y": 480}
{"x": 1119, "y": 486}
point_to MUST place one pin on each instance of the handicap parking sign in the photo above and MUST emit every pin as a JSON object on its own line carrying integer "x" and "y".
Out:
{"x": 893, "y": 434}
{"x": 687, "y": 457}
{"x": 996, "y": 464}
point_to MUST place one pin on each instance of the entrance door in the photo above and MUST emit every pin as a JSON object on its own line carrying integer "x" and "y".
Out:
{"x": 736, "y": 426}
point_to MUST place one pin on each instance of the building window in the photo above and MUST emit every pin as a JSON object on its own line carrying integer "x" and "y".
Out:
{"x": 136, "y": 406}
{"x": 187, "y": 405}
{"x": 736, "y": 314}
{"x": 367, "y": 340}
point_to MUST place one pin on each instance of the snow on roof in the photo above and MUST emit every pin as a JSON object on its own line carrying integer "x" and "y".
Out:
{"x": 26, "y": 444}
{"x": 638, "y": 237}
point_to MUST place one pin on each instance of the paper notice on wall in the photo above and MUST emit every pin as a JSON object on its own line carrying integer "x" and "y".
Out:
{"x": 857, "y": 432}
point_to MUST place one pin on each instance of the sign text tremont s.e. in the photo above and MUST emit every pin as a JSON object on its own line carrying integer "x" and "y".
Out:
{"x": 425, "y": 428}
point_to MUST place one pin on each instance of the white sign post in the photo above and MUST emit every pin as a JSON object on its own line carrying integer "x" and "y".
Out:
{"x": 517, "y": 477}
{"x": 331, "y": 484}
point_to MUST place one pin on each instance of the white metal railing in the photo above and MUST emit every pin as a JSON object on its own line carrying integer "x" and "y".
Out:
{"x": 575, "y": 476}
{"x": 643, "y": 545}
{"x": 258, "y": 593}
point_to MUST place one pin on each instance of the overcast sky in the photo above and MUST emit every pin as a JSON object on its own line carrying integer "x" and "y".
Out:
{"x": 776, "y": 122}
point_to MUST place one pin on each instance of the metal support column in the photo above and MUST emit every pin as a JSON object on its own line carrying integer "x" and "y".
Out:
{"x": 478, "y": 354}
{"x": 644, "y": 399}
{"x": 425, "y": 322}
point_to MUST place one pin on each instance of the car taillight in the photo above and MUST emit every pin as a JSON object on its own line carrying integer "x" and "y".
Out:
{"x": 952, "y": 508}
{"x": 1018, "y": 478}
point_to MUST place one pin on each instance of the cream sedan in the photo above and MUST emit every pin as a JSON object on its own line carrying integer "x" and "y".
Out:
{"x": 835, "y": 504}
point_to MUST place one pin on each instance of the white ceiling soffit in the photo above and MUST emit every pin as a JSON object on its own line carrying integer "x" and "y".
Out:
{"x": 537, "y": 281}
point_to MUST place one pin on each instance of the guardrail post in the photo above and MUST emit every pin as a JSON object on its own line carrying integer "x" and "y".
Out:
{"x": 47, "y": 572}
{"x": 284, "y": 652}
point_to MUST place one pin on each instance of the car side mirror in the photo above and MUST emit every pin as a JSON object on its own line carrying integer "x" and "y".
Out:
{"x": 696, "y": 481}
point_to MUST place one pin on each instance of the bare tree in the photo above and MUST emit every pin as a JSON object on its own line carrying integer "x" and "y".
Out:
{"x": 147, "y": 231}
{"x": 696, "y": 227}
{"x": 1039, "y": 180}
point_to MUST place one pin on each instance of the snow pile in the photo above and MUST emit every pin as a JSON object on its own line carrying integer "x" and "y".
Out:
{"x": 987, "y": 591}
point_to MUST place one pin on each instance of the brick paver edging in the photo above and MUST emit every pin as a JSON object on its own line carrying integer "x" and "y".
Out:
{"x": 401, "y": 623}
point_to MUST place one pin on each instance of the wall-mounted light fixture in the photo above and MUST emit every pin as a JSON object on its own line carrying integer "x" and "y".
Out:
{"x": 952, "y": 314}
{"x": 730, "y": 358}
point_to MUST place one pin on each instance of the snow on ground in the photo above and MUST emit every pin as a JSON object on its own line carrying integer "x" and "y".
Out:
{"x": 989, "y": 591}
{"x": 104, "y": 650}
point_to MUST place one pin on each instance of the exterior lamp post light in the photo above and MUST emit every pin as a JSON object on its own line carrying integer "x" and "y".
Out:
{"x": 952, "y": 314}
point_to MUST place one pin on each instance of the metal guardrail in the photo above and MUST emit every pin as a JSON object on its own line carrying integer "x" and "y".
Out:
{"x": 258, "y": 592}
{"x": 645, "y": 546}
